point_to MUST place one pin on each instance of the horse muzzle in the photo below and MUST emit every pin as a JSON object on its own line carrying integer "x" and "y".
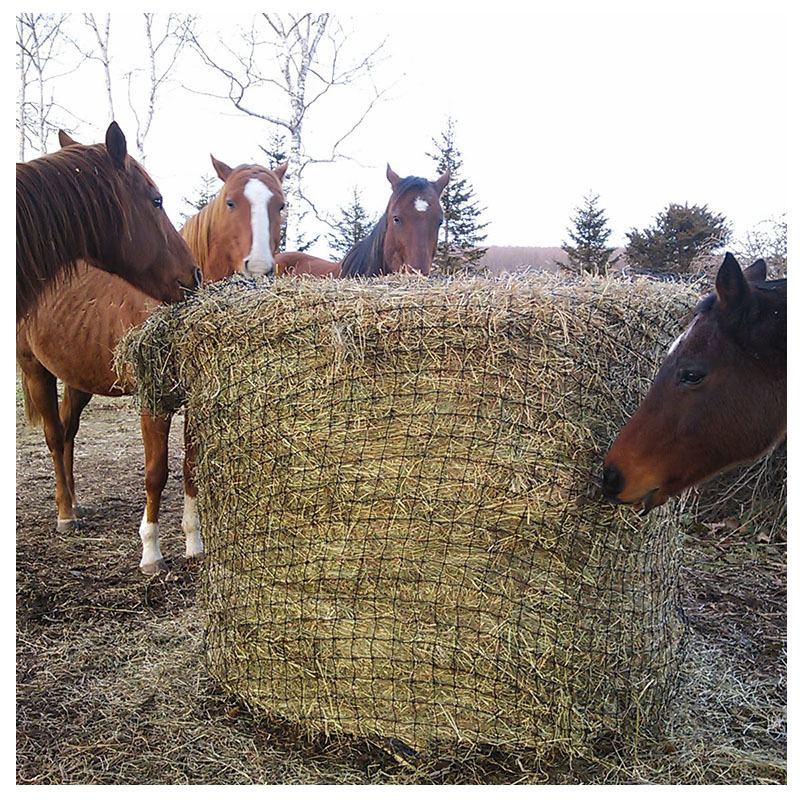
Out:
{"x": 614, "y": 486}
{"x": 258, "y": 269}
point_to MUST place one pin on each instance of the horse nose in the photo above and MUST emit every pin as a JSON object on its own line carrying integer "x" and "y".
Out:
{"x": 613, "y": 481}
{"x": 258, "y": 267}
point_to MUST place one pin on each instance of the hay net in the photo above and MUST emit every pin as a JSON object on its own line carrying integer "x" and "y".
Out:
{"x": 398, "y": 492}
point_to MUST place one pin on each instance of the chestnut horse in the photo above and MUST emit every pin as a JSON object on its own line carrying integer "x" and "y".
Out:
{"x": 73, "y": 333}
{"x": 719, "y": 398}
{"x": 404, "y": 239}
{"x": 94, "y": 203}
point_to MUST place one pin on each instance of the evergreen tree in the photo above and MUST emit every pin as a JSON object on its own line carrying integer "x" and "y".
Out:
{"x": 204, "y": 194}
{"x": 460, "y": 233}
{"x": 352, "y": 225}
{"x": 276, "y": 155}
{"x": 588, "y": 253}
{"x": 680, "y": 233}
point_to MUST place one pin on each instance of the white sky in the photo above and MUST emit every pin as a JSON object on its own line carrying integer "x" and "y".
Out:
{"x": 642, "y": 108}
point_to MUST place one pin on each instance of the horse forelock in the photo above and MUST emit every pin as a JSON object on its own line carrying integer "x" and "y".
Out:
{"x": 409, "y": 184}
{"x": 757, "y": 327}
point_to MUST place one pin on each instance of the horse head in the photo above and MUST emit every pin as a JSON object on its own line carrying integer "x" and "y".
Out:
{"x": 247, "y": 220}
{"x": 718, "y": 399}
{"x": 126, "y": 229}
{"x": 412, "y": 220}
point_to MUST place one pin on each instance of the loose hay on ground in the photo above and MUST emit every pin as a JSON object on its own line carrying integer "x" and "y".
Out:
{"x": 398, "y": 499}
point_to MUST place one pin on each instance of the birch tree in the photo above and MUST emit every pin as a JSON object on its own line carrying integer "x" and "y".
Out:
{"x": 40, "y": 41}
{"x": 163, "y": 38}
{"x": 278, "y": 72}
{"x": 102, "y": 35}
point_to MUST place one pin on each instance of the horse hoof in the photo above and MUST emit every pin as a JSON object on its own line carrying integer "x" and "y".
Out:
{"x": 155, "y": 568}
{"x": 66, "y": 525}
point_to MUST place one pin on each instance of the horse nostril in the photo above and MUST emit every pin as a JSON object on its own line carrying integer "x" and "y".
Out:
{"x": 612, "y": 481}
{"x": 198, "y": 277}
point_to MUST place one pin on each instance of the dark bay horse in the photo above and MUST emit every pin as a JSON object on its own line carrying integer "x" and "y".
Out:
{"x": 719, "y": 398}
{"x": 403, "y": 239}
{"x": 95, "y": 203}
{"x": 73, "y": 332}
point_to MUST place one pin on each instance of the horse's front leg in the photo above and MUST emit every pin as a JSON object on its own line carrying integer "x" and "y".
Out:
{"x": 155, "y": 435}
{"x": 41, "y": 400}
{"x": 72, "y": 404}
{"x": 191, "y": 519}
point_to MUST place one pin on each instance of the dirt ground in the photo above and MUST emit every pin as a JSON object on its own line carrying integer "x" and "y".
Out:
{"x": 111, "y": 686}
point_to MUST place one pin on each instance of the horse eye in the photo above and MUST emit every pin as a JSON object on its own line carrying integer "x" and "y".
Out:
{"x": 691, "y": 377}
{"x": 230, "y": 203}
{"x": 158, "y": 201}
{"x": 282, "y": 206}
{"x": 396, "y": 220}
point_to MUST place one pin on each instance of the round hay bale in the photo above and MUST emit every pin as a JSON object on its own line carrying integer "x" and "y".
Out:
{"x": 398, "y": 490}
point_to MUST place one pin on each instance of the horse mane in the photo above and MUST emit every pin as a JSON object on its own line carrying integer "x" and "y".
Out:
{"x": 365, "y": 258}
{"x": 196, "y": 230}
{"x": 69, "y": 207}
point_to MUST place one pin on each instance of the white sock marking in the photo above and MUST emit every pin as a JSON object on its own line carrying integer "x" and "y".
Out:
{"x": 191, "y": 527}
{"x": 151, "y": 549}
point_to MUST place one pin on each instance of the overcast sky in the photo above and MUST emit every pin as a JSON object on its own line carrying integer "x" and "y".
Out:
{"x": 639, "y": 107}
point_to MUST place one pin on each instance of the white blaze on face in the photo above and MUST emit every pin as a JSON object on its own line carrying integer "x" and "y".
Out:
{"x": 259, "y": 261}
{"x": 421, "y": 205}
{"x": 674, "y": 346}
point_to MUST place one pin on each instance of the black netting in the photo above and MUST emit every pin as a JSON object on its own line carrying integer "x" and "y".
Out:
{"x": 398, "y": 492}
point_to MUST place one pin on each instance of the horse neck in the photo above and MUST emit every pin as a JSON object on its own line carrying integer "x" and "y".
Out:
{"x": 365, "y": 258}
{"x": 68, "y": 208}
{"x": 197, "y": 232}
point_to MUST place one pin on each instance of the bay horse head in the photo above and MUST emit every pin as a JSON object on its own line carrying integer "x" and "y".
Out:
{"x": 718, "y": 399}
{"x": 405, "y": 237}
{"x": 98, "y": 204}
{"x": 240, "y": 229}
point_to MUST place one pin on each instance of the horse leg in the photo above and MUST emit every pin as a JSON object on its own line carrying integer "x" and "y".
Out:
{"x": 42, "y": 393}
{"x": 72, "y": 404}
{"x": 191, "y": 519}
{"x": 155, "y": 435}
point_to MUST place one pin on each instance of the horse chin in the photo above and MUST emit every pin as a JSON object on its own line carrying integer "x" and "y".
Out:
{"x": 650, "y": 501}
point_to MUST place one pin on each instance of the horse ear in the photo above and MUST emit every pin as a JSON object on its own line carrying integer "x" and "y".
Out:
{"x": 116, "y": 145}
{"x": 280, "y": 172}
{"x": 756, "y": 272}
{"x": 441, "y": 182}
{"x": 64, "y": 139}
{"x": 222, "y": 169}
{"x": 392, "y": 176}
{"x": 731, "y": 285}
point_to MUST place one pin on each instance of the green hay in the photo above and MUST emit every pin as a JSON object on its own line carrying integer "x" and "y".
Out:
{"x": 399, "y": 503}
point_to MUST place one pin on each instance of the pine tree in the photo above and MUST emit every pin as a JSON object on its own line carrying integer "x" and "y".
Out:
{"x": 276, "y": 155}
{"x": 352, "y": 225}
{"x": 588, "y": 253}
{"x": 461, "y": 230}
{"x": 681, "y": 233}
{"x": 204, "y": 194}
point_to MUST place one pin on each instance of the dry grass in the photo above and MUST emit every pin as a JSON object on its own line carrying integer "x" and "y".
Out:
{"x": 112, "y": 686}
{"x": 395, "y": 480}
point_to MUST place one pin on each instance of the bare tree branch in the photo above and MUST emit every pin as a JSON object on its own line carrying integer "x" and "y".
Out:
{"x": 279, "y": 72}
